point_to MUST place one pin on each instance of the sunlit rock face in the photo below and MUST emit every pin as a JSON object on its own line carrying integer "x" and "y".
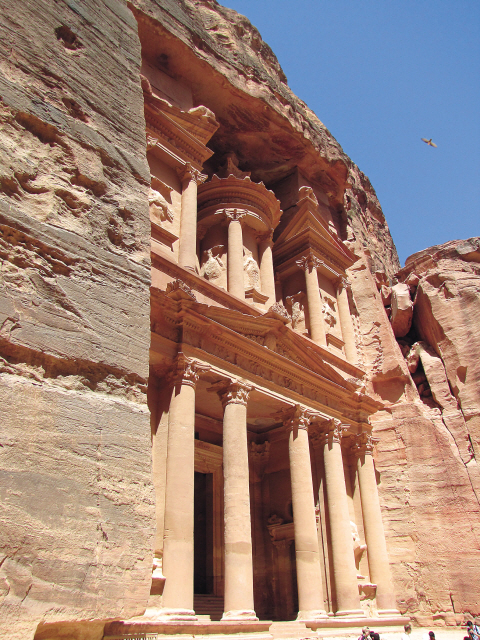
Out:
{"x": 77, "y": 501}
{"x": 87, "y": 198}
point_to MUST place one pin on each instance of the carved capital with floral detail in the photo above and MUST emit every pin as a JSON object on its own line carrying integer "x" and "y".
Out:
{"x": 235, "y": 215}
{"x": 344, "y": 283}
{"x": 297, "y": 417}
{"x": 187, "y": 370}
{"x": 232, "y": 391}
{"x": 364, "y": 444}
{"x": 186, "y": 173}
{"x": 309, "y": 262}
{"x": 328, "y": 430}
{"x": 278, "y": 309}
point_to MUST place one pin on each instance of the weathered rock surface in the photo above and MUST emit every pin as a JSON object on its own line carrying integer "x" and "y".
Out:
{"x": 402, "y": 310}
{"x": 77, "y": 504}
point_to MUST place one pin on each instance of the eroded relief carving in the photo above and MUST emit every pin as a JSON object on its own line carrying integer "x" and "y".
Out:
{"x": 251, "y": 270}
{"x": 213, "y": 265}
{"x": 296, "y": 307}
{"x": 159, "y": 207}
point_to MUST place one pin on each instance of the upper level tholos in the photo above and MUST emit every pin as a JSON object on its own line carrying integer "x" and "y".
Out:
{"x": 241, "y": 244}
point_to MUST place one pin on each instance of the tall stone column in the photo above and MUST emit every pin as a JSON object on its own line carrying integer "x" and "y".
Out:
{"x": 267, "y": 276}
{"x": 239, "y": 603}
{"x": 378, "y": 563}
{"x": 187, "y": 252}
{"x": 307, "y": 555}
{"x": 235, "y": 281}
{"x": 317, "y": 329}
{"x": 343, "y": 560}
{"x": 346, "y": 320}
{"x": 178, "y": 537}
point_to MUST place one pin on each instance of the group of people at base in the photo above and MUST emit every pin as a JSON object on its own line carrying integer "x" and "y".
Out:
{"x": 473, "y": 631}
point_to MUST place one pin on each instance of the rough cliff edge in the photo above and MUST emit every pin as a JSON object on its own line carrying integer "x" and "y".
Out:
{"x": 74, "y": 286}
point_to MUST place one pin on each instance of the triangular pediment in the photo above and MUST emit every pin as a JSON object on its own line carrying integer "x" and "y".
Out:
{"x": 307, "y": 227}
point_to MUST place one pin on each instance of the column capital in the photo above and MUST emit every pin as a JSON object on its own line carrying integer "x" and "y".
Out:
{"x": 234, "y": 215}
{"x": 364, "y": 444}
{"x": 232, "y": 391}
{"x": 187, "y": 173}
{"x": 186, "y": 370}
{"x": 297, "y": 417}
{"x": 344, "y": 283}
{"x": 266, "y": 237}
{"x": 330, "y": 430}
{"x": 309, "y": 262}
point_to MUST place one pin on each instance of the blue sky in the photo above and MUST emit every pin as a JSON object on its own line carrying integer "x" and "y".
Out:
{"x": 381, "y": 74}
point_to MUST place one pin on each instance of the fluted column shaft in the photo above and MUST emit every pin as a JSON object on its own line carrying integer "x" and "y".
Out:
{"x": 315, "y": 314}
{"x": 267, "y": 276}
{"x": 239, "y": 604}
{"x": 179, "y": 493}
{"x": 307, "y": 555}
{"x": 235, "y": 280}
{"x": 378, "y": 563}
{"x": 187, "y": 252}
{"x": 343, "y": 560}
{"x": 346, "y": 323}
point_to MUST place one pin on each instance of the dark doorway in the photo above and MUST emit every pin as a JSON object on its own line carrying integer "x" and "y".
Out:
{"x": 203, "y": 534}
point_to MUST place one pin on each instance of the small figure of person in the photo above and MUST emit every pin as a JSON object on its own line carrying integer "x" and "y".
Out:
{"x": 365, "y": 634}
{"x": 473, "y": 631}
{"x": 407, "y": 632}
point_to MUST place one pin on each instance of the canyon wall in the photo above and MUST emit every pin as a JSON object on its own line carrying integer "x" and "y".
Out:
{"x": 77, "y": 503}
{"x": 77, "y": 527}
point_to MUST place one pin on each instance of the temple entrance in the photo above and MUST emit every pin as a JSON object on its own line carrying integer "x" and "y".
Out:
{"x": 203, "y": 534}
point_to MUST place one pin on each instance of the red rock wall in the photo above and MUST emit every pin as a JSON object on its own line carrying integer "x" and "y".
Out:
{"x": 76, "y": 530}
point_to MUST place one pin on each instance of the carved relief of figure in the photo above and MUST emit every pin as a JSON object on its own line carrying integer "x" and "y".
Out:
{"x": 159, "y": 209}
{"x": 297, "y": 311}
{"x": 213, "y": 265}
{"x": 250, "y": 267}
{"x": 329, "y": 312}
{"x": 358, "y": 548}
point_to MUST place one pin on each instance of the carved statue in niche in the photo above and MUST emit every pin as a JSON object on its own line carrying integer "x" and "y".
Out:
{"x": 159, "y": 209}
{"x": 213, "y": 265}
{"x": 251, "y": 270}
{"x": 296, "y": 307}
{"x": 358, "y": 548}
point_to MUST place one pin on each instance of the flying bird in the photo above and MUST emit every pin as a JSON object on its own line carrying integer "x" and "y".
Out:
{"x": 429, "y": 142}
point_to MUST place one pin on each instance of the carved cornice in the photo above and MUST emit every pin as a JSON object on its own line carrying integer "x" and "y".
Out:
{"x": 186, "y": 370}
{"x": 187, "y": 173}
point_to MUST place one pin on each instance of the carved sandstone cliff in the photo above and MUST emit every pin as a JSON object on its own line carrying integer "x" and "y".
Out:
{"x": 77, "y": 501}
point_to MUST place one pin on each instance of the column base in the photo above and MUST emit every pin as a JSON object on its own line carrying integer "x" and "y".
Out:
{"x": 389, "y": 612}
{"x": 358, "y": 613}
{"x": 239, "y": 615}
{"x": 187, "y": 615}
{"x": 313, "y": 616}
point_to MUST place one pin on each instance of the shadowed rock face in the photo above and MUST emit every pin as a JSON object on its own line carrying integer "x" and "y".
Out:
{"x": 74, "y": 309}
{"x": 77, "y": 503}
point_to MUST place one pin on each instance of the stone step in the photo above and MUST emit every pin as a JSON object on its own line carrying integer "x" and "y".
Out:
{"x": 208, "y": 605}
{"x": 291, "y": 629}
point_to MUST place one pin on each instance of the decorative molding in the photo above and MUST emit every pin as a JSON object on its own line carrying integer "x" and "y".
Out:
{"x": 256, "y": 296}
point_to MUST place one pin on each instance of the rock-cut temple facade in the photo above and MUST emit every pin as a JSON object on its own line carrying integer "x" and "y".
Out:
{"x": 224, "y": 405}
